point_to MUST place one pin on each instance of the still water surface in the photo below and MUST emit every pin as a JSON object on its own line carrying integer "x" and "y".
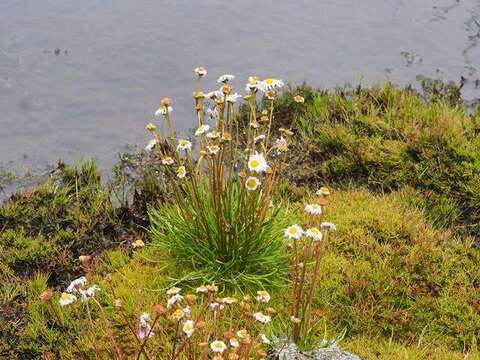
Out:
{"x": 81, "y": 78}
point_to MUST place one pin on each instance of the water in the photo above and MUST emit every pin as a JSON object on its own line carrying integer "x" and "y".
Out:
{"x": 82, "y": 78}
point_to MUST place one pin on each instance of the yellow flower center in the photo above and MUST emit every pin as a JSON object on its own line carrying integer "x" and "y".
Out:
{"x": 254, "y": 163}
{"x": 178, "y": 314}
{"x": 269, "y": 81}
{"x": 251, "y": 183}
{"x": 292, "y": 230}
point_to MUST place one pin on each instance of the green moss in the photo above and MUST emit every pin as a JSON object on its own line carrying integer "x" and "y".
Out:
{"x": 47, "y": 229}
{"x": 387, "y": 138}
{"x": 388, "y": 274}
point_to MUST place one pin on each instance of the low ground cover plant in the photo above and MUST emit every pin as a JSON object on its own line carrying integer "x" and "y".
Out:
{"x": 386, "y": 138}
{"x": 387, "y": 282}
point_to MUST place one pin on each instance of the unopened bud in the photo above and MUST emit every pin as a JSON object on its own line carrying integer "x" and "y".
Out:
{"x": 46, "y": 295}
{"x": 159, "y": 309}
{"x": 229, "y": 335}
{"x": 151, "y": 127}
{"x": 84, "y": 259}
{"x": 166, "y": 101}
{"x": 191, "y": 299}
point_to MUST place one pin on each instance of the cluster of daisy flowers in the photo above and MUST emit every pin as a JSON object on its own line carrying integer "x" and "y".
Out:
{"x": 231, "y": 156}
{"x": 77, "y": 290}
{"x": 195, "y": 321}
{"x": 214, "y": 137}
{"x": 308, "y": 246}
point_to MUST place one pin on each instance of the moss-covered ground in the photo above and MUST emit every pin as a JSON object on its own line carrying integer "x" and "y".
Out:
{"x": 400, "y": 277}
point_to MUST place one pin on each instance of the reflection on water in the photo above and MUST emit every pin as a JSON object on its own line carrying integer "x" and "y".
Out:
{"x": 83, "y": 77}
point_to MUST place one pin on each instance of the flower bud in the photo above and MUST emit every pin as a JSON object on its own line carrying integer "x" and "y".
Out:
{"x": 85, "y": 259}
{"x": 271, "y": 311}
{"x": 159, "y": 309}
{"x": 229, "y": 335}
{"x": 191, "y": 299}
{"x": 166, "y": 101}
{"x": 46, "y": 295}
{"x": 201, "y": 324}
{"x": 151, "y": 127}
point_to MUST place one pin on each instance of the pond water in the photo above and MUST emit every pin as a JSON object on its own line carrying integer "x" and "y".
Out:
{"x": 82, "y": 78}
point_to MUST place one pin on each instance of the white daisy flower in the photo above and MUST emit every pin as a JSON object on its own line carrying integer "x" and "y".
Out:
{"x": 242, "y": 334}
{"x": 259, "y": 138}
{"x": 281, "y": 144}
{"x": 181, "y": 172}
{"x": 252, "y": 85}
{"x": 163, "y": 110}
{"x": 77, "y": 284}
{"x": 213, "y": 149}
{"x": 144, "y": 331}
{"x": 270, "y": 84}
{"x": 325, "y": 191}
{"x": 174, "y": 291}
{"x": 329, "y": 226}
{"x": 252, "y": 183}
{"x": 216, "y": 94}
{"x": 233, "y": 98}
{"x": 263, "y": 296}
{"x": 178, "y": 314}
{"x": 144, "y": 328}
{"x": 257, "y": 163}
{"x": 294, "y": 232}
{"x": 314, "y": 233}
{"x": 234, "y": 343}
{"x": 167, "y": 160}
{"x": 213, "y": 114}
{"x": 188, "y": 328}
{"x": 174, "y": 299}
{"x": 229, "y": 300}
{"x": 151, "y": 144}
{"x": 184, "y": 144}
{"x": 200, "y": 71}
{"x": 313, "y": 209}
{"x": 187, "y": 310}
{"x": 216, "y": 306}
{"x": 202, "y": 289}
{"x": 262, "y": 317}
{"x": 264, "y": 339}
{"x": 218, "y": 346}
{"x": 144, "y": 318}
{"x": 202, "y": 129}
{"x": 213, "y": 135}
{"x": 92, "y": 290}
{"x": 67, "y": 299}
{"x": 225, "y": 78}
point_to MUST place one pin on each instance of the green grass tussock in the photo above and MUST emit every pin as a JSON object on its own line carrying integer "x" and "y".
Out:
{"x": 243, "y": 261}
